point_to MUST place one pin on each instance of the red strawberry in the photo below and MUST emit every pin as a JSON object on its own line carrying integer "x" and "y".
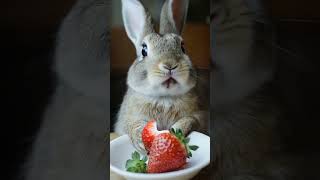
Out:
{"x": 149, "y": 132}
{"x": 169, "y": 152}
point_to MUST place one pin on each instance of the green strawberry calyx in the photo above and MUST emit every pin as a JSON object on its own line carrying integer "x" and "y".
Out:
{"x": 184, "y": 140}
{"x": 136, "y": 164}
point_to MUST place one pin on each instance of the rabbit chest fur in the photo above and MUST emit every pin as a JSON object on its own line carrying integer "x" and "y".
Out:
{"x": 166, "y": 110}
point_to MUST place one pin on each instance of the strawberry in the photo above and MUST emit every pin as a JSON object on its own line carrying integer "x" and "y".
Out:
{"x": 149, "y": 132}
{"x": 169, "y": 151}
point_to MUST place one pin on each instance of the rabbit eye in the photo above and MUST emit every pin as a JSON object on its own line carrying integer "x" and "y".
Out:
{"x": 144, "y": 51}
{"x": 182, "y": 47}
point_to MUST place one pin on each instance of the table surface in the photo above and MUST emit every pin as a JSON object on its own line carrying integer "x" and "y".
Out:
{"x": 203, "y": 175}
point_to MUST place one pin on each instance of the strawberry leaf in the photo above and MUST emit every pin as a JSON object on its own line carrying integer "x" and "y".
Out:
{"x": 135, "y": 164}
{"x": 172, "y": 131}
{"x": 184, "y": 140}
{"x": 132, "y": 169}
{"x": 130, "y": 163}
{"x": 193, "y": 147}
{"x": 145, "y": 159}
{"x": 135, "y": 156}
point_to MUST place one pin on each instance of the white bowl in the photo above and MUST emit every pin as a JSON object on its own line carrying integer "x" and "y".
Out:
{"x": 121, "y": 150}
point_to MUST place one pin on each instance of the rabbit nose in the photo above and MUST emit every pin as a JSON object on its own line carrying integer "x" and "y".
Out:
{"x": 167, "y": 67}
{"x": 170, "y": 67}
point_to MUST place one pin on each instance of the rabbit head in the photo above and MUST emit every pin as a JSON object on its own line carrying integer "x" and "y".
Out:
{"x": 162, "y": 68}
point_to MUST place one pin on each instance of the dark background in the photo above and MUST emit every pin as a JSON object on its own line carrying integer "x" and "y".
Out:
{"x": 27, "y": 30}
{"x": 298, "y": 71}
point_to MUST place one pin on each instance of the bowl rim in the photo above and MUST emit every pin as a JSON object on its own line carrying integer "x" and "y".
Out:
{"x": 171, "y": 174}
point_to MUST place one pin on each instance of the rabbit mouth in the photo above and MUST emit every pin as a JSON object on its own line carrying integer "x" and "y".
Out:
{"x": 168, "y": 82}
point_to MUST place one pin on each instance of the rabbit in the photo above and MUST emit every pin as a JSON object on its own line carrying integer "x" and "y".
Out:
{"x": 161, "y": 81}
{"x": 70, "y": 144}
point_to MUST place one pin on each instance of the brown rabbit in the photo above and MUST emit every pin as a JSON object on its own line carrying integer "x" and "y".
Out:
{"x": 161, "y": 81}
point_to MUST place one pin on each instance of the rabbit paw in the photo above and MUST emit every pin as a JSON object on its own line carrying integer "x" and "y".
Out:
{"x": 136, "y": 140}
{"x": 186, "y": 124}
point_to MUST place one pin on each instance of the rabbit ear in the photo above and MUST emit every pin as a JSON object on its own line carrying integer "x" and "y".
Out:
{"x": 137, "y": 20}
{"x": 173, "y": 16}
